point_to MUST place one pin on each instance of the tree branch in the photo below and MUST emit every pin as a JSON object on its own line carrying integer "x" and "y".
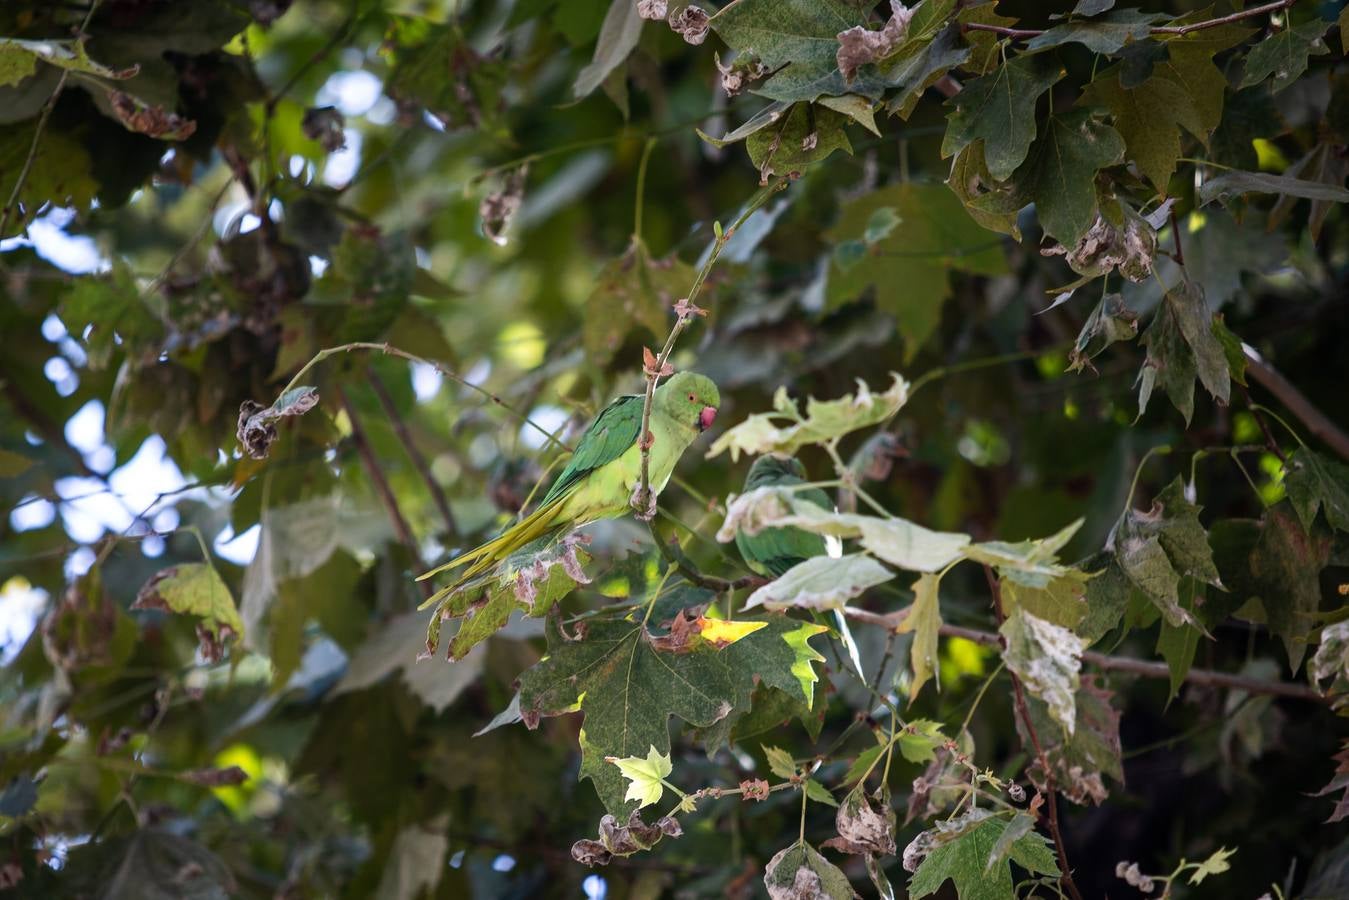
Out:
{"x": 400, "y": 428}
{"x": 674, "y": 556}
{"x": 1296, "y": 402}
{"x": 1141, "y": 667}
{"x": 1023, "y": 33}
{"x": 386, "y": 495}
{"x": 641, "y": 500}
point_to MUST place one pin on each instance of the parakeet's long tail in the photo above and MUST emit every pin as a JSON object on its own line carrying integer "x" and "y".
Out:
{"x": 481, "y": 558}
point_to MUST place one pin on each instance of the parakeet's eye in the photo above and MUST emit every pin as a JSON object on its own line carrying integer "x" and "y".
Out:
{"x": 690, "y": 398}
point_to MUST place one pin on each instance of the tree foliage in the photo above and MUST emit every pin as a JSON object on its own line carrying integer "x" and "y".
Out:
{"x": 300, "y": 300}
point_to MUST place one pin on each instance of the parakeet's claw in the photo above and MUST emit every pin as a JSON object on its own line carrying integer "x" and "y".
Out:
{"x": 635, "y": 501}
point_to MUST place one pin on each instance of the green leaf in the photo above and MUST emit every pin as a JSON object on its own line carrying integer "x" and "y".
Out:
{"x": 13, "y": 464}
{"x": 859, "y": 109}
{"x": 1061, "y": 601}
{"x": 436, "y": 67}
{"x": 627, "y": 687}
{"x": 1247, "y": 115}
{"x": 1236, "y": 183}
{"x": 618, "y": 37}
{"x": 780, "y": 762}
{"x": 645, "y": 775}
{"x": 416, "y": 861}
{"x": 824, "y": 421}
{"x": 532, "y": 580}
{"x": 799, "y": 872}
{"x": 396, "y": 647}
{"x": 819, "y": 793}
{"x": 1108, "y": 592}
{"x": 1177, "y": 643}
{"x": 959, "y": 850}
{"x": 1047, "y": 658}
{"x": 1286, "y": 564}
{"x": 1315, "y": 482}
{"x": 632, "y": 291}
{"x": 19, "y": 59}
{"x": 151, "y": 864}
{"x": 1190, "y": 65}
{"x": 1323, "y": 165}
{"x": 1149, "y": 118}
{"x": 1155, "y": 548}
{"x": 919, "y": 64}
{"x": 909, "y": 268}
{"x": 919, "y": 739}
{"x": 1284, "y": 54}
{"x": 822, "y": 582}
{"x": 924, "y": 622}
{"x": 805, "y": 135}
{"x": 999, "y": 109}
{"x": 1216, "y": 864}
{"x": 1078, "y": 761}
{"x": 1108, "y": 34}
{"x": 1020, "y": 825}
{"x": 985, "y": 46}
{"x": 992, "y": 204}
{"x": 1060, "y": 174}
{"x": 1182, "y": 346}
{"x": 1031, "y": 563}
{"x": 195, "y": 589}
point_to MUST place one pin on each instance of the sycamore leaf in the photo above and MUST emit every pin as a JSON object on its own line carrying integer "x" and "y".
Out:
{"x": 959, "y": 850}
{"x": 1286, "y": 563}
{"x": 1313, "y": 483}
{"x": 864, "y": 826}
{"x": 825, "y": 420}
{"x": 992, "y": 204}
{"x": 821, "y": 582}
{"x": 623, "y": 840}
{"x": 633, "y": 290}
{"x": 1216, "y": 864}
{"x": 1059, "y": 176}
{"x": 397, "y": 646}
{"x": 1178, "y": 644}
{"x": 1181, "y": 346}
{"x": 1332, "y": 656}
{"x": 780, "y": 762}
{"x": 1149, "y": 118}
{"x": 805, "y": 135}
{"x": 1020, "y": 825}
{"x": 919, "y": 739}
{"x": 19, "y": 59}
{"x": 531, "y": 580}
{"x": 1339, "y": 782}
{"x": 1155, "y": 548}
{"x": 627, "y": 688}
{"x": 909, "y": 268}
{"x": 859, "y": 109}
{"x": 1107, "y": 34}
{"x": 771, "y": 113}
{"x": 1061, "y": 601}
{"x": 1236, "y": 183}
{"x": 921, "y": 63}
{"x": 924, "y": 621}
{"x": 644, "y": 775}
{"x": 1107, "y": 598}
{"x": 1031, "y": 563}
{"x": 818, "y": 792}
{"x": 1189, "y": 63}
{"x": 195, "y": 589}
{"x": 1109, "y": 322}
{"x": 618, "y": 37}
{"x": 1047, "y": 658}
{"x": 799, "y": 872}
{"x": 1284, "y": 54}
{"x": 1323, "y": 165}
{"x": 1078, "y": 760}
{"x": 999, "y": 109}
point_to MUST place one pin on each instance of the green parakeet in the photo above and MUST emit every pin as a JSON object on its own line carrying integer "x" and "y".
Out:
{"x": 606, "y": 468}
{"x": 773, "y": 551}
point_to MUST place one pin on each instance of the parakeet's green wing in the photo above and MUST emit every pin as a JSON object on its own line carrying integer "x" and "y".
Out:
{"x": 775, "y": 550}
{"x": 609, "y": 436}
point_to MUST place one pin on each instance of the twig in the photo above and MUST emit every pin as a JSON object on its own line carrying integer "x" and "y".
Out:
{"x": 641, "y": 500}
{"x": 1270, "y": 442}
{"x": 390, "y": 350}
{"x": 1296, "y": 402}
{"x": 1022, "y": 33}
{"x": 386, "y": 495}
{"x": 691, "y": 573}
{"x": 1050, "y": 788}
{"x": 318, "y": 57}
{"x": 400, "y": 428}
{"x": 1141, "y": 667}
{"x": 1175, "y": 233}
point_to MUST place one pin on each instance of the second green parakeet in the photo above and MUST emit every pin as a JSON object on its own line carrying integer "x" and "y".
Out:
{"x": 773, "y": 551}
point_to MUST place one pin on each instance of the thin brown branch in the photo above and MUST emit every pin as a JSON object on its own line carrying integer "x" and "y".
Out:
{"x": 386, "y": 495}
{"x": 1026, "y": 33}
{"x": 400, "y": 428}
{"x": 642, "y": 500}
{"x": 319, "y": 55}
{"x": 1296, "y": 402}
{"x": 1271, "y": 443}
{"x": 675, "y": 557}
{"x": 1051, "y": 801}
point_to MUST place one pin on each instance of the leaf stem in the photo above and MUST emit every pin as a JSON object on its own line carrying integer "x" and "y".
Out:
{"x": 641, "y": 188}
{"x": 1025, "y": 33}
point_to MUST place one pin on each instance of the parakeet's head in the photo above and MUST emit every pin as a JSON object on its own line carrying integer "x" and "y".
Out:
{"x": 689, "y": 398}
{"x": 773, "y": 469}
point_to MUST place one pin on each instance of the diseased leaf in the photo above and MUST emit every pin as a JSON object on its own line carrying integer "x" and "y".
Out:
{"x": 1177, "y": 643}
{"x": 1061, "y": 601}
{"x": 1286, "y": 563}
{"x": 1047, "y": 658}
{"x": 1030, "y": 563}
{"x": 1155, "y": 548}
{"x": 1339, "y": 782}
{"x": 624, "y": 840}
{"x": 1020, "y": 825}
{"x": 1079, "y": 761}
{"x": 822, "y": 582}
{"x": 1182, "y": 346}
{"x": 999, "y": 109}
{"x": 824, "y": 421}
{"x": 865, "y": 826}
{"x": 924, "y": 622}
{"x": 196, "y": 589}
{"x": 1284, "y": 54}
{"x": 1149, "y": 118}
{"x": 959, "y": 850}
{"x": 19, "y": 59}
{"x": 805, "y": 135}
{"x": 1059, "y": 175}
{"x": 633, "y": 290}
{"x": 1108, "y": 34}
{"x": 799, "y": 872}
{"x": 1332, "y": 657}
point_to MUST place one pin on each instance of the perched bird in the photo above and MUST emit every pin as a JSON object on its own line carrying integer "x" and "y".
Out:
{"x": 605, "y": 470}
{"x": 773, "y": 551}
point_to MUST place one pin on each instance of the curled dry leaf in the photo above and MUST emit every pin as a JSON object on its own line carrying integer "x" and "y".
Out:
{"x": 152, "y": 121}
{"x": 756, "y": 789}
{"x": 256, "y": 431}
{"x": 499, "y": 207}
{"x": 624, "y": 840}
{"x": 859, "y": 45}
{"x": 691, "y": 23}
{"x": 652, "y": 9}
{"x": 799, "y": 872}
{"x": 865, "y": 825}
{"x": 1128, "y": 247}
{"x": 740, "y": 74}
{"x": 215, "y": 777}
{"x": 653, "y": 367}
{"x": 686, "y": 310}
{"x": 326, "y": 125}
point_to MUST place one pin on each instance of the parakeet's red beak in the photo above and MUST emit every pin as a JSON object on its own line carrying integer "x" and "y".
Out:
{"x": 707, "y": 417}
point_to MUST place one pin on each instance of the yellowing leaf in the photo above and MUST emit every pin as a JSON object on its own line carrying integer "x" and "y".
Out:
{"x": 644, "y": 775}
{"x": 1216, "y": 864}
{"x": 195, "y": 589}
{"x": 924, "y": 621}
{"x": 725, "y": 631}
